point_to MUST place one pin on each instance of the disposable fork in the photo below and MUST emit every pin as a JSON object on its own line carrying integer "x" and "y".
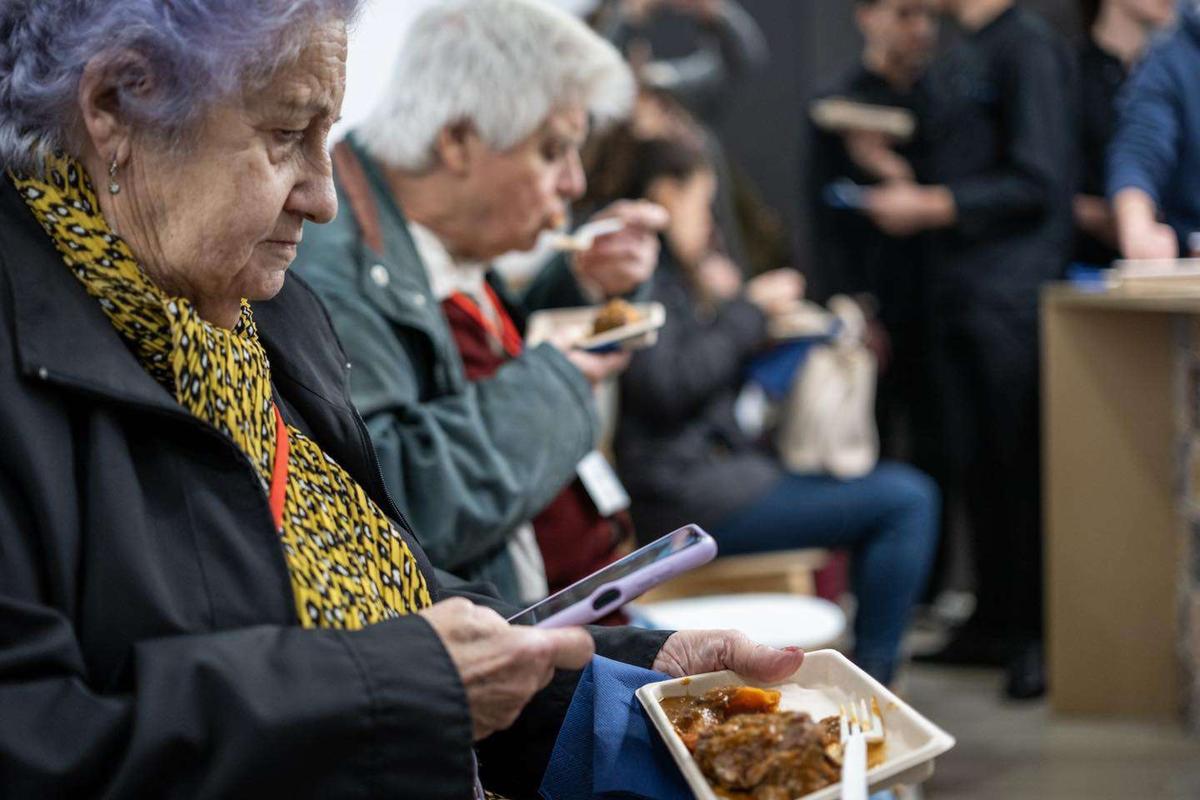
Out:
{"x": 860, "y": 725}
{"x": 585, "y": 237}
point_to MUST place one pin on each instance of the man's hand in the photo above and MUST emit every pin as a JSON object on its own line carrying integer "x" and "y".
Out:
{"x": 695, "y": 652}
{"x": 1140, "y": 233}
{"x": 620, "y": 262}
{"x": 1094, "y": 216}
{"x": 902, "y": 208}
{"x": 502, "y": 666}
{"x": 874, "y": 153}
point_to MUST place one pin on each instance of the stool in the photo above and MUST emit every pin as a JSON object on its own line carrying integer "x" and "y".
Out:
{"x": 778, "y": 620}
{"x": 783, "y": 571}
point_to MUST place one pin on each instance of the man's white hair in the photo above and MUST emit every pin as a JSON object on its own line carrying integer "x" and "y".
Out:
{"x": 501, "y": 65}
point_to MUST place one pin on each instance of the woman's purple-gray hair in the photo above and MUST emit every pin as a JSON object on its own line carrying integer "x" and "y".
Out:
{"x": 193, "y": 52}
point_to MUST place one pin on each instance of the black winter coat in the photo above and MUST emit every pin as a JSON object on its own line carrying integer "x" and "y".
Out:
{"x": 680, "y": 451}
{"x": 149, "y": 645}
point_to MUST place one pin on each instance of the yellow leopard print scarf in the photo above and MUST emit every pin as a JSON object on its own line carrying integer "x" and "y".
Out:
{"x": 349, "y": 566}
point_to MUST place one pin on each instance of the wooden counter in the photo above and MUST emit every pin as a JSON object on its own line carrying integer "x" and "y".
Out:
{"x": 1121, "y": 382}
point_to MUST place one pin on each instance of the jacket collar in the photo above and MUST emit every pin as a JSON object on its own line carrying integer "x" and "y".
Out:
{"x": 393, "y": 278}
{"x": 396, "y": 281}
{"x": 62, "y": 335}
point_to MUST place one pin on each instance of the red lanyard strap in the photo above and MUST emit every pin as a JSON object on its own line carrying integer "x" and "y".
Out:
{"x": 507, "y": 336}
{"x": 279, "y": 475}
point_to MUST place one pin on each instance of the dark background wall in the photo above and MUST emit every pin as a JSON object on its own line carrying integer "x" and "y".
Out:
{"x": 810, "y": 40}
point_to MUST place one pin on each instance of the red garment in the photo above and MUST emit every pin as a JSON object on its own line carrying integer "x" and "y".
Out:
{"x": 574, "y": 539}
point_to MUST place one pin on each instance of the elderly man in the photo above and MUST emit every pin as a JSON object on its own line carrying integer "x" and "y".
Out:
{"x": 474, "y": 152}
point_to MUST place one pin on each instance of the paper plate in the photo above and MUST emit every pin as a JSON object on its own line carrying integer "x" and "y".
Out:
{"x": 576, "y": 324}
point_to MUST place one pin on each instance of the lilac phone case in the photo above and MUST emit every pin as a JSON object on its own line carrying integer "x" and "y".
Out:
{"x": 609, "y": 596}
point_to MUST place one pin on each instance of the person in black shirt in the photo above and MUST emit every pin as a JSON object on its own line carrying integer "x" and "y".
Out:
{"x": 849, "y": 254}
{"x": 997, "y": 195}
{"x": 1118, "y": 34}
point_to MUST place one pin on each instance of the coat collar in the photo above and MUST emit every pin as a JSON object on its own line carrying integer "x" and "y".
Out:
{"x": 62, "y": 335}
{"x": 396, "y": 282}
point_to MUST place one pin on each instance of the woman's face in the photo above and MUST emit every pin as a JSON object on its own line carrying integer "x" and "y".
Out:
{"x": 222, "y": 221}
{"x": 689, "y": 202}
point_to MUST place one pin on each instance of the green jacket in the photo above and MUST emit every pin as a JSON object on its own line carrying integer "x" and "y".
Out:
{"x": 467, "y": 462}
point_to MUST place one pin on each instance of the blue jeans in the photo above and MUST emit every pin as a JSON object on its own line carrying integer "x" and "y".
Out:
{"x": 889, "y": 522}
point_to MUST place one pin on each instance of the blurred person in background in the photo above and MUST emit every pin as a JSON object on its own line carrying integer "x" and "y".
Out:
{"x": 729, "y": 47}
{"x": 680, "y": 450}
{"x": 1118, "y": 33}
{"x": 996, "y": 194}
{"x": 850, "y": 255}
{"x": 1154, "y": 158}
{"x": 473, "y": 152}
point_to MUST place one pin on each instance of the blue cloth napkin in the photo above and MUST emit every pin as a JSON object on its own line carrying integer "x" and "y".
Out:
{"x": 607, "y": 746}
{"x": 775, "y": 369}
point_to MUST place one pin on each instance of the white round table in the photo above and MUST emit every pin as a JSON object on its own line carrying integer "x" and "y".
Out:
{"x": 778, "y": 620}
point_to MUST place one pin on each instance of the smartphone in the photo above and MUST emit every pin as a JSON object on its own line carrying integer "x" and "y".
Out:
{"x": 845, "y": 194}
{"x": 606, "y": 590}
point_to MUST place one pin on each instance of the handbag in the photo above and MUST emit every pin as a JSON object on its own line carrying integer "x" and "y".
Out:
{"x": 827, "y": 423}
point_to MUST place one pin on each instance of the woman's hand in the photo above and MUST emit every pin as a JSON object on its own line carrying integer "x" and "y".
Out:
{"x": 777, "y": 291}
{"x": 695, "y": 652}
{"x": 719, "y": 278}
{"x": 503, "y": 666}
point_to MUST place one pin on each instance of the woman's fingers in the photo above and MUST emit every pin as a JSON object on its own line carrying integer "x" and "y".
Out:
{"x": 573, "y": 647}
{"x": 695, "y": 652}
{"x": 503, "y": 666}
{"x": 638, "y": 214}
{"x": 762, "y": 663}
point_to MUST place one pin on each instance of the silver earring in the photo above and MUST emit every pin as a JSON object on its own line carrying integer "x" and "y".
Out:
{"x": 113, "y": 186}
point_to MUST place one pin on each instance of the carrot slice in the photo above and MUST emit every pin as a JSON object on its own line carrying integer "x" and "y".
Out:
{"x": 751, "y": 700}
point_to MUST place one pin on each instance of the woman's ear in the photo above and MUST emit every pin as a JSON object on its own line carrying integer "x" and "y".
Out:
{"x": 107, "y": 83}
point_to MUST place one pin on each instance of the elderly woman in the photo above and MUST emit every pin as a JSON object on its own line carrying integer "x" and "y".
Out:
{"x": 205, "y": 589}
{"x": 473, "y": 152}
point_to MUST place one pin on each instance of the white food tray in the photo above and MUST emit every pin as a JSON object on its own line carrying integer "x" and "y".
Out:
{"x": 824, "y": 681}
{"x": 575, "y": 325}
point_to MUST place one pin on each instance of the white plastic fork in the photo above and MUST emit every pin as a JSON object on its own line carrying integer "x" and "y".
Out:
{"x": 586, "y": 236}
{"x": 857, "y": 727}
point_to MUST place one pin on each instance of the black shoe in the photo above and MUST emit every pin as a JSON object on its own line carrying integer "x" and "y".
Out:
{"x": 968, "y": 647}
{"x": 1025, "y": 677}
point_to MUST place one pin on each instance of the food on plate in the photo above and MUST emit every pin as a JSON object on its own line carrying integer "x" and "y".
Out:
{"x": 615, "y": 314}
{"x": 750, "y": 750}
